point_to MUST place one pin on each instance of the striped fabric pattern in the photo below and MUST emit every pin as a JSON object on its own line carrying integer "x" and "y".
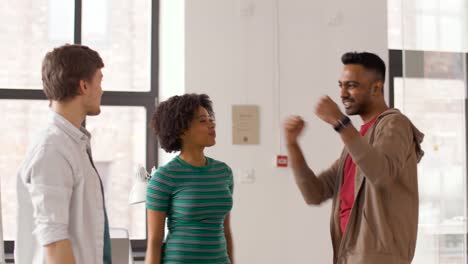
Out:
{"x": 196, "y": 200}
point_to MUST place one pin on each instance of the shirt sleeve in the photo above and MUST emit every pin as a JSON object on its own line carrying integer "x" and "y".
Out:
{"x": 382, "y": 161}
{"x": 49, "y": 180}
{"x": 159, "y": 192}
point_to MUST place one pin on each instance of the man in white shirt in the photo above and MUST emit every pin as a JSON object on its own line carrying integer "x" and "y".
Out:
{"x": 61, "y": 212}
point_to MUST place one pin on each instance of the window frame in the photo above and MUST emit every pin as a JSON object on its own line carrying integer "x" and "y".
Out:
{"x": 146, "y": 99}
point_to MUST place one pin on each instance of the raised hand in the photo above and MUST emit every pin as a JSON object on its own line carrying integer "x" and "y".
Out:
{"x": 328, "y": 110}
{"x": 293, "y": 127}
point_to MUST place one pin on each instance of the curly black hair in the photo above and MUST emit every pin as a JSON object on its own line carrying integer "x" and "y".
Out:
{"x": 173, "y": 117}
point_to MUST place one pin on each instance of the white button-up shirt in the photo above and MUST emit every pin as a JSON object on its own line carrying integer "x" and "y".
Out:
{"x": 59, "y": 196}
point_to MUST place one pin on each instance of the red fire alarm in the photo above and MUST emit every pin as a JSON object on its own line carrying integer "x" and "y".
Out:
{"x": 281, "y": 161}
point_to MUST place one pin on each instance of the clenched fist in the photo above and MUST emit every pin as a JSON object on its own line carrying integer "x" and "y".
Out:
{"x": 293, "y": 127}
{"x": 328, "y": 111}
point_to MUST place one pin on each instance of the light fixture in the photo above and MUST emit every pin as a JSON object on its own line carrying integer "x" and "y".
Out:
{"x": 138, "y": 191}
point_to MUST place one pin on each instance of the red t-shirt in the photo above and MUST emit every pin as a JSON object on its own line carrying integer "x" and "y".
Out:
{"x": 347, "y": 189}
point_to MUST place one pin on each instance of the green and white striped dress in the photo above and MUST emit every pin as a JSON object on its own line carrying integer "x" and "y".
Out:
{"x": 196, "y": 200}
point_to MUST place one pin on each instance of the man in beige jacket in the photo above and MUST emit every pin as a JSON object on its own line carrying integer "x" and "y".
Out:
{"x": 373, "y": 183}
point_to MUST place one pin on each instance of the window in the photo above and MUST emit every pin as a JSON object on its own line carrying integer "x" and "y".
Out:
{"x": 125, "y": 33}
{"x": 118, "y": 146}
{"x": 430, "y": 88}
{"x": 436, "y": 25}
{"x": 121, "y": 31}
{"x": 428, "y": 82}
{"x": 28, "y": 29}
{"x": 23, "y": 119}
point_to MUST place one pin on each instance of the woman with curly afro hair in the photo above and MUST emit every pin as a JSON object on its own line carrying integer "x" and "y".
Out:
{"x": 193, "y": 192}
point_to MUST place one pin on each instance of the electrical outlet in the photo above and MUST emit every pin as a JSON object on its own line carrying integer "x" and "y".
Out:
{"x": 247, "y": 176}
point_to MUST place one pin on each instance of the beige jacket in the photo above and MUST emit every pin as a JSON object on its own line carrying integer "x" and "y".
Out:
{"x": 383, "y": 223}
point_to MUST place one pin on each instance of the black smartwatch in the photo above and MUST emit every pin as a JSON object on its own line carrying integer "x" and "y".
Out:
{"x": 342, "y": 123}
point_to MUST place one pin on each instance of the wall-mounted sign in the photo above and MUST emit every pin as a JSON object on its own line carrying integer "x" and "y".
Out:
{"x": 245, "y": 124}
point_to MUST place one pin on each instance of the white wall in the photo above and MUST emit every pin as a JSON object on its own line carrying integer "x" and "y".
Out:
{"x": 232, "y": 53}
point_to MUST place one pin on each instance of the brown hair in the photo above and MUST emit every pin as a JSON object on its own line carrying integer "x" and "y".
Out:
{"x": 173, "y": 117}
{"x": 64, "y": 67}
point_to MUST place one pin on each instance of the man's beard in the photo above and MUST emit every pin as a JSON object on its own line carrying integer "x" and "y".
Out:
{"x": 356, "y": 108}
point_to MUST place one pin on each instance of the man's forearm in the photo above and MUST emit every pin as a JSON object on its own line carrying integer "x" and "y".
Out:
{"x": 306, "y": 180}
{"x": 59, "y": 252}
{"x": 349, "y": 134}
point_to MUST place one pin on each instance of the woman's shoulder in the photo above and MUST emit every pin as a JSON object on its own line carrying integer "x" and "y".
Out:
{"x": 215, "y": 162}
{"x": 172, "y": 167}
{"x": 218, "y": 164}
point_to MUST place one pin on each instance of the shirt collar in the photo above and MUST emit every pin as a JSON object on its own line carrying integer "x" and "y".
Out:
{"x": 80, "y": 135}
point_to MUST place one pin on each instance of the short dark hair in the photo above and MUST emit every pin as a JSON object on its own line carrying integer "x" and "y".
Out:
{"x": 369, "y": 61}
{"x": 64, "y": 67}
{"x": 173, "y": 117}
